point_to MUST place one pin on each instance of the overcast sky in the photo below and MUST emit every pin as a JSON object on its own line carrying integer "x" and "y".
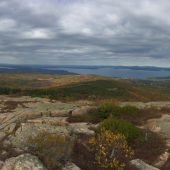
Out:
{"x": 85, "y": 32}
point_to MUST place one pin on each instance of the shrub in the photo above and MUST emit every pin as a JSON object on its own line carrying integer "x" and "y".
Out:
{"x": 117, "y": 111}
{"x": 111, "y": 149}
{"x": 124, "y": 127}
{"x": 106, "y": 109}
{"x": 51, "y": 148}
{"x": 130, "y": 110}
{"x": 150, "y": 146}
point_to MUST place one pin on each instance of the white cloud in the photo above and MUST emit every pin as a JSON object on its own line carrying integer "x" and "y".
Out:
{"x": 86, "y": 29}
{"x": 3, "y": 4}
{"x": 7, "y": 24}
{"x": 38, "y": 33}
{"x": 9, "y": 59}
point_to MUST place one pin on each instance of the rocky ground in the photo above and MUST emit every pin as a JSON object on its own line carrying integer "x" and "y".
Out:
{"x": 25, "y": 117}
{"x": 22, "y": 118}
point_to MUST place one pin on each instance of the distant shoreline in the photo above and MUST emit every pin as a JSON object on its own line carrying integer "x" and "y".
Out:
{"x": 130, "y": 72}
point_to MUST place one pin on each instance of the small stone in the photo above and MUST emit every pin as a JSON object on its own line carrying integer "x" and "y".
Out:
{"x": 10, "y": 128}
{"x": 141, "y": 165}
{"x": 17, "y": 151}
{"x": 2, "y": 135}
{"x": 4, "y": 154}
{"x": 6, "y": 143}
{"x": 162, "y": 159}
{"x": 1, "y": 164}
{"x": 70, "y": 166}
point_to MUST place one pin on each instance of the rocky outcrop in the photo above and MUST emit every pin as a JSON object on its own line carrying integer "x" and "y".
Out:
{"x": 32, "y": 116}
{"x": 23, "y": 162}
{"x": 24, "y": 118}
{"x": 141, "y": 165}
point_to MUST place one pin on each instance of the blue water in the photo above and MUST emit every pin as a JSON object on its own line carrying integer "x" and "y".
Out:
{"x": 112, "y": 72}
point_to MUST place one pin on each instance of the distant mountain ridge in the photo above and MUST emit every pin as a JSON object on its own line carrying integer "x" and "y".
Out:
{"x": 5, "y": 68}
{"x": 147, "y": 68}
{"x": 132, "y": 72}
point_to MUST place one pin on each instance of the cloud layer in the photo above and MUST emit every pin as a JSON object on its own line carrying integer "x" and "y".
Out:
{"x": 98, "y": 32}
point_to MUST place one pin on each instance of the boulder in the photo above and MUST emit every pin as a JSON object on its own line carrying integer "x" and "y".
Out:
{"x": 27, "y": 130}
{"x": 83, "y": 110}
{"x": 70, "y": 166}
{"x": 141, "y": 165}
{"x": 23, "y": 162}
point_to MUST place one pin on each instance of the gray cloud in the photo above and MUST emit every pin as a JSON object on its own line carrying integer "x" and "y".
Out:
{"x": 105, "y": 32}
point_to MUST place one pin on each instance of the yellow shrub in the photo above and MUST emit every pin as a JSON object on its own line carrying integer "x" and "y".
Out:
{"x": 111, "y": 150}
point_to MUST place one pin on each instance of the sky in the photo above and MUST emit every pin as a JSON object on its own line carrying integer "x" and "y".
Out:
{"x": 85, "y": 32}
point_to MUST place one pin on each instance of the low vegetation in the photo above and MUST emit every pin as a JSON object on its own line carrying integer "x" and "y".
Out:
{"x": 91, "y": 88}
{"x": 120, "y": 121}
{"x": 107, "y": 109}
{"x": 104, "y": 111}
{"x": 51, "y": 148}
{"x": 129, "y": 113}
